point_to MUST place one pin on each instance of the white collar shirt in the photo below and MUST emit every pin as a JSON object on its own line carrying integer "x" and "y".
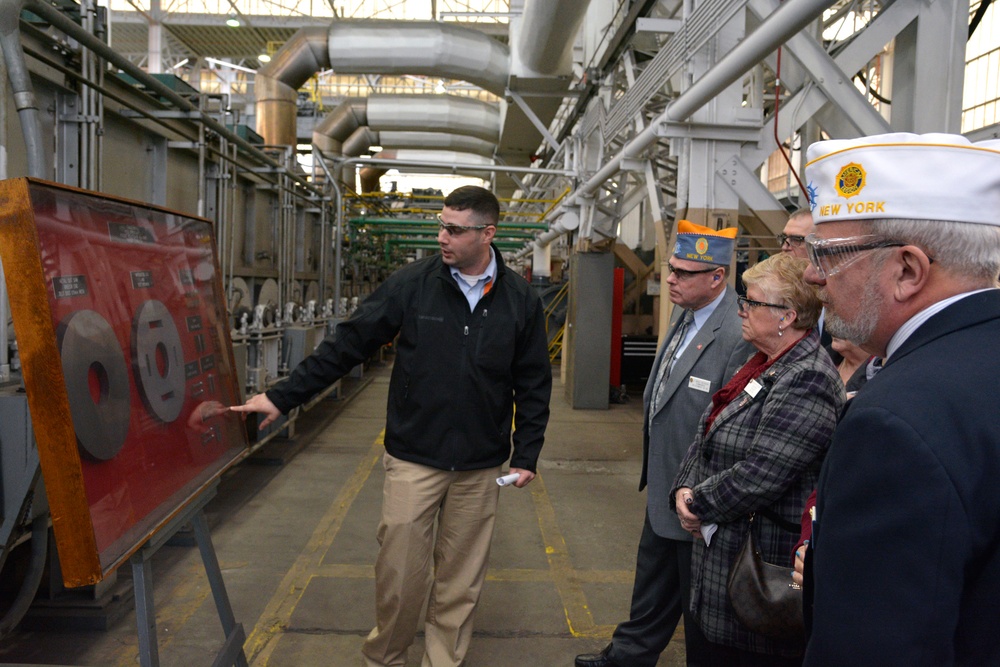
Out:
{"x": 474, "y": 291}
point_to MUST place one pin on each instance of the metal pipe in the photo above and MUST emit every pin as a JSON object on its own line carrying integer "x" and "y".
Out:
{"x": 453, "y": 167}
{"x": 201, "y": 161}
{"x": 339, "y": 227}
{"x": 20, "y": 84}
{"x": 98, "y": 74}
{"x": 378, "y": 222}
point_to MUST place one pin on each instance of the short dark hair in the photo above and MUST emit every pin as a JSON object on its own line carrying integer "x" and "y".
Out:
{"x": 481, "y": 201}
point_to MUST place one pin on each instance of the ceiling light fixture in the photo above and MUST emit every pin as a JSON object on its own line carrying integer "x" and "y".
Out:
{"x": 233, "y": 21}
{"x": 374, "y": 149}
{"x": 264, "y": 58}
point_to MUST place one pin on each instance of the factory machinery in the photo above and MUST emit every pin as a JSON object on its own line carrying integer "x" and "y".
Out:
{"x": 167, "y": 255}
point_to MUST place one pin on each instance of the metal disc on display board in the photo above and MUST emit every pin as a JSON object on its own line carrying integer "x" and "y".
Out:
{"x": 96, "y": 375}
{"x": 158, "y": 361}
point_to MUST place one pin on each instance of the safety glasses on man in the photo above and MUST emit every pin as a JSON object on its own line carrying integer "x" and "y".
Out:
{"x": 456, "y": 230}
{"x": 831, "y": 256}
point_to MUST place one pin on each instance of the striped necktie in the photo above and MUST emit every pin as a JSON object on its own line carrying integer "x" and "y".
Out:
{"x": 667, "y": 360}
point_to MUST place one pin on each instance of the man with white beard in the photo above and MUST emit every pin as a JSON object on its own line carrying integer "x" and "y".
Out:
{"x": 904, "y": 564}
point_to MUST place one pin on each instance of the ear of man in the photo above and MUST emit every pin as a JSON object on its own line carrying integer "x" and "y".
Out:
{"x": 911, "y": 273}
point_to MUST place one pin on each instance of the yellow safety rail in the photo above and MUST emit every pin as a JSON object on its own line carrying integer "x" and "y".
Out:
{"x": 556, "y": 340}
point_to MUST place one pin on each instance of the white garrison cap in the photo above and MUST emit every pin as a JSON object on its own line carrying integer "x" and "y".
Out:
{"x": 903, "y": 175}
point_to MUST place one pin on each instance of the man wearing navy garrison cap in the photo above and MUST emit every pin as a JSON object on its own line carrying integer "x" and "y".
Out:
{"x": 904, "y": 565}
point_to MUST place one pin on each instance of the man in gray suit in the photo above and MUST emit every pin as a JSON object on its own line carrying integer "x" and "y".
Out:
{"x": 702, "y": 350}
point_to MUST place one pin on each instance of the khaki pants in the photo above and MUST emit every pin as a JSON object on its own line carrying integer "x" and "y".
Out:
{"x": 413, "y": 561}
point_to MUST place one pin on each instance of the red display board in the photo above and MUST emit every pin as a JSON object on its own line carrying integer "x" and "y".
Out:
{"x": 124, "y": 340}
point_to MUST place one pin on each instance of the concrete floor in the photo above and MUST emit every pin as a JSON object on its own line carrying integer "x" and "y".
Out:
{"x": 296, "y": 543}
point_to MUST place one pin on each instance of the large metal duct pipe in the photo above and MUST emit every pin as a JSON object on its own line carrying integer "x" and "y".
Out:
{"x": 435, "y": 113}
{"x": 364, "y": 138}
{"x": 437, "y": 141}
{"x": 330, "y": 133}
{"x": 420, "y": 161}
{"x": 359, "y": 47}
{"x": 369, "y": 46}
{"x": 359, "y": 141}
{"x": 275, "y": 85}
{"x": 457, "y": 122}
{"x": 547, "y": 30}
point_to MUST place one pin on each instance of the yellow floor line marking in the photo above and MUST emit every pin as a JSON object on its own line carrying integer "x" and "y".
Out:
{"x": 356, "y": 571}
{"x": 578, "y": 616}
{"x": 278, "y": 612}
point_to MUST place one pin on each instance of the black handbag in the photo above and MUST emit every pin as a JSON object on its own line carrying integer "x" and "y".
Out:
{"x": 764, "y": 597}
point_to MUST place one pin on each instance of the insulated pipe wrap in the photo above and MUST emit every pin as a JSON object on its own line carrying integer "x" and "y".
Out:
{"x": 361, "y": 46}
{"x": 547, "y": 30}
{"x": 435, "y": 113}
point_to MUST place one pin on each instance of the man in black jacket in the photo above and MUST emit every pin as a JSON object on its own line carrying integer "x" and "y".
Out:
{"x": 471, "y": 345}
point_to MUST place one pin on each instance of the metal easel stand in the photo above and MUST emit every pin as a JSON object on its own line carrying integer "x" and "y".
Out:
{"x": 231, "y": 652}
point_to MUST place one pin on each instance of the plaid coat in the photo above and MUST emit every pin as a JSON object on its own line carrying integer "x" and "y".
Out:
{"x": 762, "y": 452}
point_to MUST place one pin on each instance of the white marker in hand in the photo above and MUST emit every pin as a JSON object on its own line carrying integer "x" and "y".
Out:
{"x": 508, "y": 479}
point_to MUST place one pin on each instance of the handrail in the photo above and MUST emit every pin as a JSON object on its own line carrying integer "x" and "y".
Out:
{"x": 560, "y": 296}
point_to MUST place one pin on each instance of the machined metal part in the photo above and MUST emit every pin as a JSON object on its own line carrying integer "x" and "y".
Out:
{"x": 92, "y": 354}
{"x": 158, "y": 360}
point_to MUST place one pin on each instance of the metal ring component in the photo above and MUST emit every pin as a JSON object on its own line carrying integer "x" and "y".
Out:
{"x": 158, "y": 361}
{"x": 96, "y": 376}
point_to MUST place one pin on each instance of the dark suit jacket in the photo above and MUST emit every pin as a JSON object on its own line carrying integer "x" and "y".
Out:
{"x": 714, "y": 354}
{"x": 905, "y": 558}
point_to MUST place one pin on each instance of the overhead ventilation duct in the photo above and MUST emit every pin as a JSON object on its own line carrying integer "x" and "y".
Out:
{"x": 431, "y": 162}
{"x": 435, "y": 113}
{"x": 446, "y": 122}
{"x": 276, "y": 83}
{"x": 364, "y": 138}
{"x": 359, "y": 47}
{"x": 443, "y": 50}
{"x": 331, "y": 132}
{"x": 437, "y": 141}
{"x": 546, "y": 32}
{"x": 543, "y": 38}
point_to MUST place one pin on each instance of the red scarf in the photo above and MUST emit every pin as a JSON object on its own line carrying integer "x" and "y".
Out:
{"x": 751, "y": 371}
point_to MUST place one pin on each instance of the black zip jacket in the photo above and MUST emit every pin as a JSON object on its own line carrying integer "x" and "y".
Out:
{"x": 457, "y": 373}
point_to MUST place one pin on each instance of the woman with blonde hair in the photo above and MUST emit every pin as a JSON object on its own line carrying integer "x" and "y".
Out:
{"x": 758, "y": 452}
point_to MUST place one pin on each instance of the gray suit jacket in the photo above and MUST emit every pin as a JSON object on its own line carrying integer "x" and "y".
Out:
{"x": 715, "y": 353}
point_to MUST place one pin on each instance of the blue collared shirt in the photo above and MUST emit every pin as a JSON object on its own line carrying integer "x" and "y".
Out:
{"x": 700, "y": 317}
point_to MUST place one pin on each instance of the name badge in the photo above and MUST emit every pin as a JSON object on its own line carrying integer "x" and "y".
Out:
{"x": 699, "y": 384}
{"x": 752, "y": 388}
